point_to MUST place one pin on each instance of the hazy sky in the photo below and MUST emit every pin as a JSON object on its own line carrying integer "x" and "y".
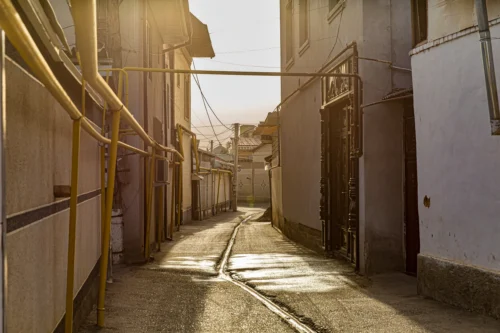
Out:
{"x": 242, "y": 33}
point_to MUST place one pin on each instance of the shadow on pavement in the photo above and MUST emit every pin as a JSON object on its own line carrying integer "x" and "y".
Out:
{"x": 329, "y": 293}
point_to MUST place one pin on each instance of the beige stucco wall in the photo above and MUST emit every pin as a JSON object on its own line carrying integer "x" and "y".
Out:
{"x": 38, "y": 156}
{"x": 449, "y": 16}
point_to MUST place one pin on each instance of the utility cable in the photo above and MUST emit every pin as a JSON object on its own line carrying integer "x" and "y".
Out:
{"x": 206, "y": 110}
{"x": 204, "y": 98}
{"x": 336, "y": 38}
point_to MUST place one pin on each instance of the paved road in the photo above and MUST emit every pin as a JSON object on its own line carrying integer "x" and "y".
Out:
{"x": 182, "y": 290}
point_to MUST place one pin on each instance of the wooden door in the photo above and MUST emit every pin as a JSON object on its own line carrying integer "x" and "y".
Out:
{"x": 412, "y": 237}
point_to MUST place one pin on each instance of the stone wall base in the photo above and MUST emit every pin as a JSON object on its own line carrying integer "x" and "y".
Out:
{"x": 307, "y": 236}
{"x": 467, "y": 287}
{"x": 84, "y": 301}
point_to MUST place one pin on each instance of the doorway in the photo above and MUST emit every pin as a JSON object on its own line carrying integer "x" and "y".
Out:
{"x": 339, "y": 174}
{"x": 411, "y": 220}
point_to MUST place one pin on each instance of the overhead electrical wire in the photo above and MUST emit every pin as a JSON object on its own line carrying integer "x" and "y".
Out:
{"x": 205, "y": 99}
{"x": 206, "y": 109}
{"x": 336, "y": 38}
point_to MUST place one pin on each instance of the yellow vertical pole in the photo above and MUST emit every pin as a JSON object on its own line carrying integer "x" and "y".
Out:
{"x": 225, "y": 193}
{"x": 73, "y": 202}
{"x": 181, "y": 191}
{"x": 83, "y": 97}
{"x": 161, "y": 216}
{"x": 179, "y": 194}
{"x": 113, "y": 152}
{"x": 149, "y": 201}
{"x": 103, "y": 167}
{"x": 172, "y": 203}
{"x": 218, "y": 190}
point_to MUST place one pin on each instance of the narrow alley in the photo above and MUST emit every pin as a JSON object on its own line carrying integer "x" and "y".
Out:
{"x": 225, "y": 166}
{"x": 182, "y": 290}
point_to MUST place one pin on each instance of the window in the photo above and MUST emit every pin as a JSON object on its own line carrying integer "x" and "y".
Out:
{"x": 187, "y": 96}
{"x": 288, "y": 32}
{"x": 303, "y": 21}
{"x": 419, "y": 13}
{"x": 332, "y": 4}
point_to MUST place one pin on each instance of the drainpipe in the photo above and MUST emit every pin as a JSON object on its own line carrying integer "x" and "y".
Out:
{"x": 488, "y": 64}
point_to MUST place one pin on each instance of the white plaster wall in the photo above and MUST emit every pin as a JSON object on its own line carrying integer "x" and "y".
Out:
{"x": 458, "y": 159}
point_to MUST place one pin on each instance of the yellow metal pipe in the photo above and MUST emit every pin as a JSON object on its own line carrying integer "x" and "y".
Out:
{"x": 73, "y": 202}
{"x": 225, "y": 196}
{"x": 125, "y": 73}
{"x": 236, "y": 73}
{"x": 84, "y": 16}
{"x": 172, "y": 204}
{"x": 23, "y": 42}
{"x": 218, "y": 190}
{"x": 83, "y": 98}
{"x": 149, "y": 202}
{"x": 113, "y": 152}
{"x": 161, "y": 216}
{"x": 103, "y": 168}
{"x": 180, "y": 176}
{"x": 194, "y": 143}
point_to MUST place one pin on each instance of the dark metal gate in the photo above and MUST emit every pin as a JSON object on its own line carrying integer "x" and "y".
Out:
{"x": 339, "y": 163}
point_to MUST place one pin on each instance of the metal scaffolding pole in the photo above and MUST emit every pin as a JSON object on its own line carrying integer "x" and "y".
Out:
{"x": 235, "y": 173}
{"x": 3, "y": 265}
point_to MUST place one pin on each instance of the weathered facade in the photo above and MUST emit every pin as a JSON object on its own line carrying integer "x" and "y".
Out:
{"x": 39, "y": 137}
{"x": 457, "y": 158}
{"x": 342, "y": 166}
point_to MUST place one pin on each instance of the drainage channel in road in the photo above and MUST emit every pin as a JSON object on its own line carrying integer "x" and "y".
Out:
{"x": 288, "y": 317}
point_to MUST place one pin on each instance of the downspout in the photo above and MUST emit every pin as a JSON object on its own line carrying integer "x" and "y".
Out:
{"x": 488, "y": 64}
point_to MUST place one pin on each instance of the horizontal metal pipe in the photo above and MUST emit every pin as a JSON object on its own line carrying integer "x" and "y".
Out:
{"x": 216, "y": 170}
{"x": 233, "y": 73}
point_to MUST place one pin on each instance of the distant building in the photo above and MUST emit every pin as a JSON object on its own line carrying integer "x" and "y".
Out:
{"x": 253, "y": 179}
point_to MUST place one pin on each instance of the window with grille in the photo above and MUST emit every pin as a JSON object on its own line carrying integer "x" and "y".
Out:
{"x": 419, "y": 15}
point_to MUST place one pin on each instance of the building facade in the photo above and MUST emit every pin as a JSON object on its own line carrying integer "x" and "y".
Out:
{"x": 253, "y": 179}
{"x": 457, "y": 157}
{"x": 342, "y": 159}
{"x": 129, "y": 33}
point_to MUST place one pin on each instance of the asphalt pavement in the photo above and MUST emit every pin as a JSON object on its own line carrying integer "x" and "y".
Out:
{"x": 183, "y": 290}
